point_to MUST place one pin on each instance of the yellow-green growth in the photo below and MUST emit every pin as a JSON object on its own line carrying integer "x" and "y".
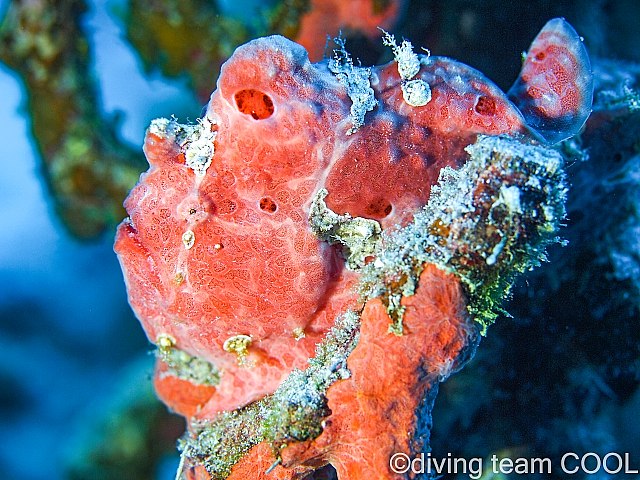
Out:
{"x": 184, "y": 366}
{"x": 294, "y": 412}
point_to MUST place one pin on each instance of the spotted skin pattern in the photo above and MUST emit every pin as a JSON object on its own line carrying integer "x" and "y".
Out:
{"x": 554, "y": 91}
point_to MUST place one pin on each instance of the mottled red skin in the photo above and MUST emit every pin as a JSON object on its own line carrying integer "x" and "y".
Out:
{"x": 398, "y": 154}
{"x": 554, "y": 90}
{"x": 373, "y": 413}
{"x": 256, "y": 269}
{"x": 271, "y": 275}
{"x": 180, "y": 395}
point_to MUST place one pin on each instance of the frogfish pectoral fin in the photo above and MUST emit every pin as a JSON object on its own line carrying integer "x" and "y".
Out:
{"x": 554, "y": 91}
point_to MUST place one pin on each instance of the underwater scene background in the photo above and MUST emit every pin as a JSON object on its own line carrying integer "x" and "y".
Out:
{"x": 80, "y": 83}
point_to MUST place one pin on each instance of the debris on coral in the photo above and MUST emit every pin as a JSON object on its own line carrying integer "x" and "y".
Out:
{"x": 449, "y": 201}
{"x": 416, "y": 92}
{"x": 360, "y": 236}
{"x": 470, "y": 228}
{"x": 357, "y": 82}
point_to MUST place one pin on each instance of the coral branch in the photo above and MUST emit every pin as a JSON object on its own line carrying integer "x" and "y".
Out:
{"x": 89, "y": 171}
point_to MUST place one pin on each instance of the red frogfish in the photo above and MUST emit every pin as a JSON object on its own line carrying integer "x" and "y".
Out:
{"x": 327, "y": 243}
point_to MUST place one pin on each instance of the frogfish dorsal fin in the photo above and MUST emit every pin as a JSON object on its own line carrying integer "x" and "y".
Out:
{"x": 554, "y": 91}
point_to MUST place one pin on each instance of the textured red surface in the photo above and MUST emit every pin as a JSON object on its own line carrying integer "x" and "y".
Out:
{"x": 180, "y": 395}
{"x": 250, "y": 265}
{"x": 373, "y": 413}
{"x": 554, "y": 90}
{"x": 255, "y": 268}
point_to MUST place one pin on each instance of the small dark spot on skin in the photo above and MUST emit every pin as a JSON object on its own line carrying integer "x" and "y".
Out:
{"x": 541, "y": 56}
{"x": 268, "y": 205}
{"x": 486, "y": 106}
{"x": 255, "y": 103}
{"x": 192, "y": 211}
{"x": 379, "y": 208}
{"x": 227, "y": 206}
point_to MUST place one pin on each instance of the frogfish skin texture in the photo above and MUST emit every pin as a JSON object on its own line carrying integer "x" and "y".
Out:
{"x": 250, "y": 232}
